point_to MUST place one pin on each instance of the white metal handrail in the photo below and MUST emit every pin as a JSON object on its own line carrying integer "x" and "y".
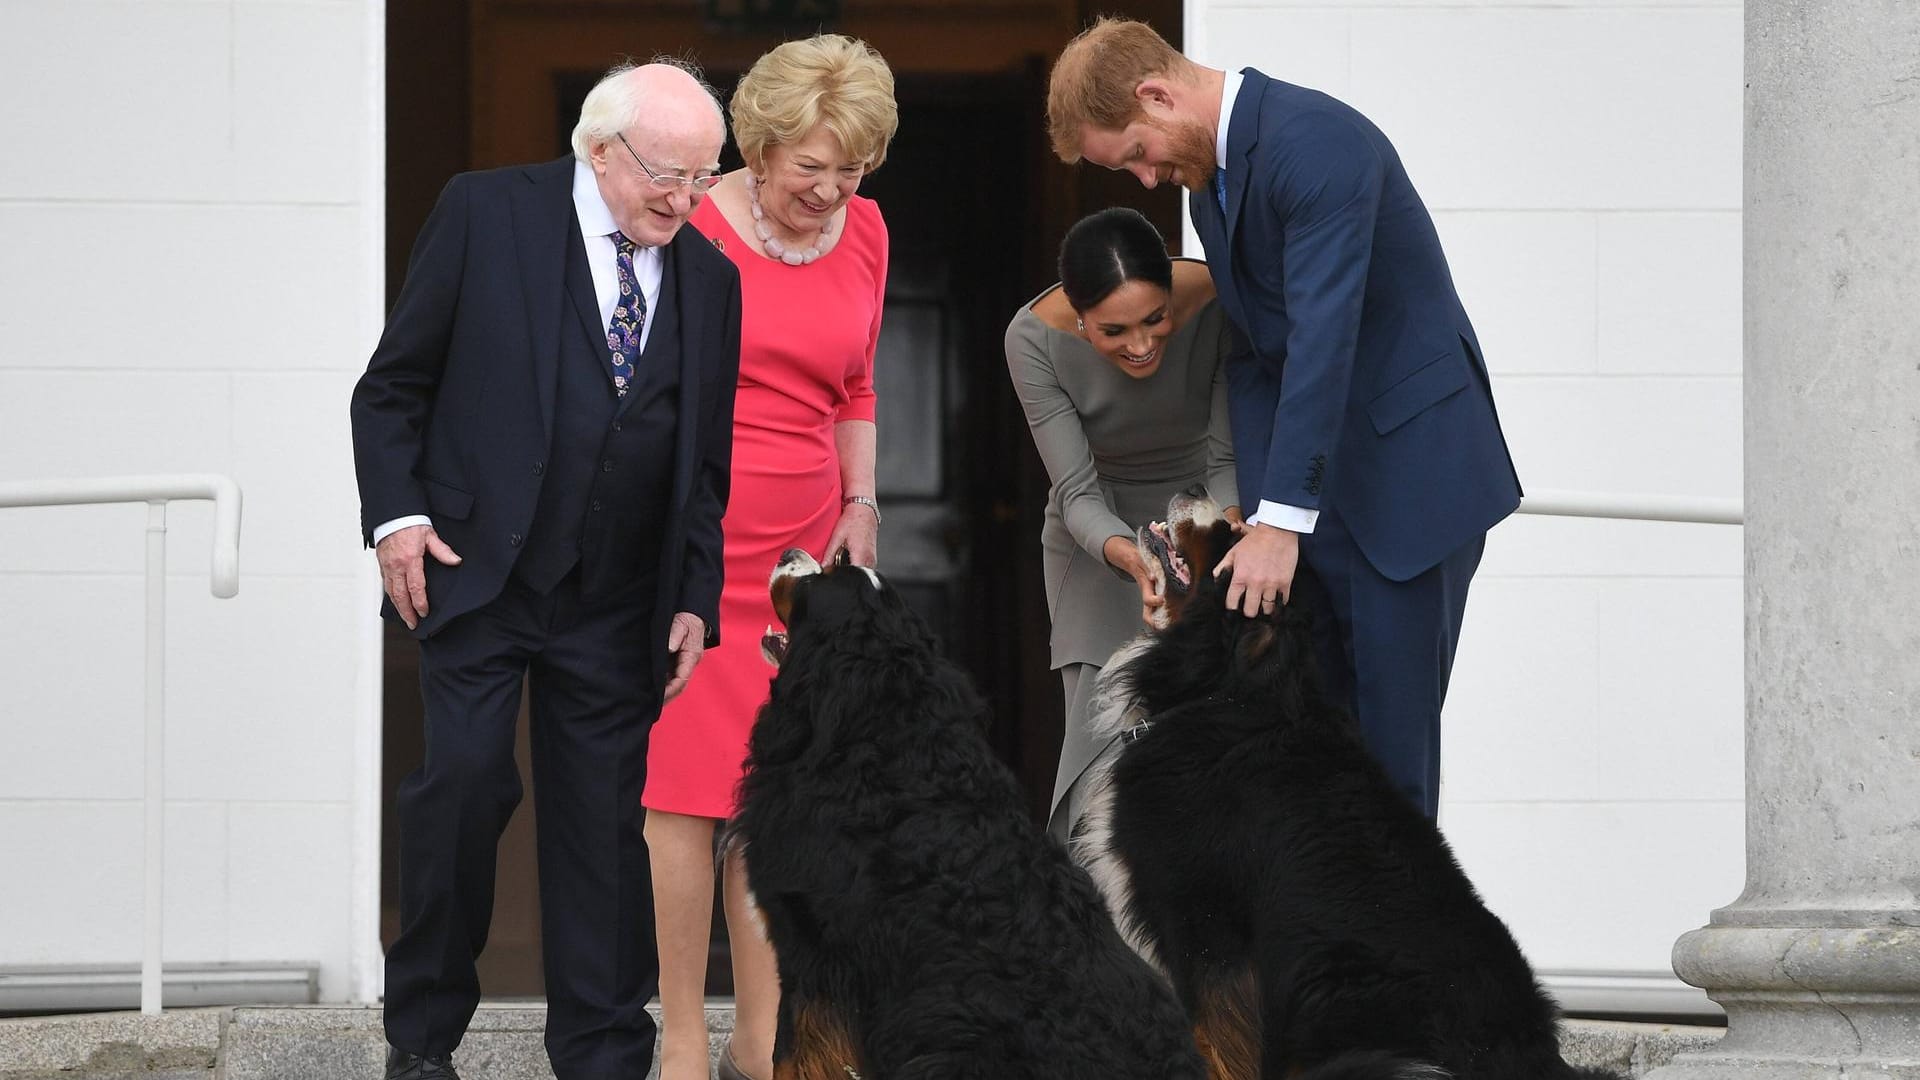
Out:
{"x": 156, "y": 492}
{"x": 1700, "y": 509}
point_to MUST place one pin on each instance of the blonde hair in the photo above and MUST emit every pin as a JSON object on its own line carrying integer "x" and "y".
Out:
{"x": 615, "y": 102}
{"x": 830, "y": 80}
{"x": 1093, "y": 82}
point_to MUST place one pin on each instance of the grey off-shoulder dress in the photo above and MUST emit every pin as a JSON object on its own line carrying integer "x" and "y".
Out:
{"x": 1116, "y": 448}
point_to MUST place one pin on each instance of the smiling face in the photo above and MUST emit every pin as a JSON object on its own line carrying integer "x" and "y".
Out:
{"x": 679, "y": 135}
{"x": 1156, "y": 150}
{"x": 808, "y": 181}
{"x": 1130, "y": 326}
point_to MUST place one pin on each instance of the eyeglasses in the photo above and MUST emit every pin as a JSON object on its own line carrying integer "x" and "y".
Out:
{"x": 663, "y": 182}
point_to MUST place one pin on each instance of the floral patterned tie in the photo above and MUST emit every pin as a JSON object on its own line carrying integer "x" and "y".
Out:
{"x": 629, "y": 315}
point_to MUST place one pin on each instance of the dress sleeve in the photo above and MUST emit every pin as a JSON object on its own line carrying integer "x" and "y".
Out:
{"x": 1062, "y": 442}
{"x": 859, "y": 404}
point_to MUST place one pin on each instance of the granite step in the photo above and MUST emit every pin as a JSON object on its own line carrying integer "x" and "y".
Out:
{"x": 343, "y": 1042}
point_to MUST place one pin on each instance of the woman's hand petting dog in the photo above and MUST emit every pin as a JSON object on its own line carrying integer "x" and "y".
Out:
{"x": 857, "y": 533}
{"x": 1124, "y": 555}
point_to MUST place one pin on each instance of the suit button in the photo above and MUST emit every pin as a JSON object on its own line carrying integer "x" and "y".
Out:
{"x": 595, "y": 507}
{"x": 607, "y": 465}
{"x": 514, "y": 540}
{"x": 539, "y": 468}
{"x": 616, "y": 425}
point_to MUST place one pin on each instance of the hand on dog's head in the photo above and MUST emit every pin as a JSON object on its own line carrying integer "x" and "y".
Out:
{"x": 1198, "y": 631}
{"x": 822, "y": 599}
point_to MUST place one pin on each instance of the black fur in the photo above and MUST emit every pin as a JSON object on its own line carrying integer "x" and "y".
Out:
{"x": 908, "y": 897}
{"x": 1273, "y": 863}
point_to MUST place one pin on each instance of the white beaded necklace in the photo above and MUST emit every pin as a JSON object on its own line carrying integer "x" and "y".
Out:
{"x": 774, "y": 248}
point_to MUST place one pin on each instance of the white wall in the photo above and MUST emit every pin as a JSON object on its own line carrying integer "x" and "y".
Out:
{"x": 190, "y": 278}
{"x": 1582, "y": 159}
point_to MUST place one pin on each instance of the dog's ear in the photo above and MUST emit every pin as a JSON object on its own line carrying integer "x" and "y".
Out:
{"x": 782, "y": 591}
{"x": 1257, "y": 639}
{"x": 1203, "y": 546}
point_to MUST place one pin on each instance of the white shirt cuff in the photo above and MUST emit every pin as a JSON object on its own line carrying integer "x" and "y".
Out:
{"x": 394, "y": 526}
{"x": 1281, "y": 516}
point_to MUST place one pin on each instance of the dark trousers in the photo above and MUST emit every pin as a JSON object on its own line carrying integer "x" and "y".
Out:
{"x": 593, "y": 701}
{"x": 1387, "y": 649}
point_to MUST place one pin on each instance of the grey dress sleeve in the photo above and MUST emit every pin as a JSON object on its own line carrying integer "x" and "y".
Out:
{"x": 1055, "y": 424}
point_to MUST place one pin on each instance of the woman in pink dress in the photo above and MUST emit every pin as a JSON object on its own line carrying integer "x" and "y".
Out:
{"x": 812, "y": 118}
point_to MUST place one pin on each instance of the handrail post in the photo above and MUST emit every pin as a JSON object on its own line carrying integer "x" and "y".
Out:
{"x": 156, "y": 492}
{"x": 155, "y": 795}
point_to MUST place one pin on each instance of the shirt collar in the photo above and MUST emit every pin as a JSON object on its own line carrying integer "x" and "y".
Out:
{"x": 588, "y": 206}
{"x": 1229, "y": 90}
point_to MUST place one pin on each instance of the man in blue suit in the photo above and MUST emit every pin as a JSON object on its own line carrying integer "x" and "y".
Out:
{"x": 1362, "y": 416}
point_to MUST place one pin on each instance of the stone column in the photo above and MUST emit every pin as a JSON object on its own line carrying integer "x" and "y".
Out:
{"x": 1818, "y": 961}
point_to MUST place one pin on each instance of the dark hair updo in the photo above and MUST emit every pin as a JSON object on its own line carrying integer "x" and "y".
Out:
{"x": 1106, "y": 250}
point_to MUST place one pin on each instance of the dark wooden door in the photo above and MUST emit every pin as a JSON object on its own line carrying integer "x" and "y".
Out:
{"x": 975, "y": 205}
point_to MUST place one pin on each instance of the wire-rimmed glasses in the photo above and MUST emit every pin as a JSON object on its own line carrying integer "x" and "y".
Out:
{"x": 666, "y": 182}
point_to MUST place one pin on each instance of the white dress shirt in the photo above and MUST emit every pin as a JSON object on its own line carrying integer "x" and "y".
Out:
{"x": 1280, "y": 515}
{"x": 596, "y": 227}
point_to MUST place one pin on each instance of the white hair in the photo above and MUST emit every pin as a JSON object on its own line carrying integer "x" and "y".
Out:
{"x": 614, "y": 104}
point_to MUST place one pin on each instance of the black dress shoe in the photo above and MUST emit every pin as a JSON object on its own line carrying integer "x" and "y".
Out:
{"x": 404, "y": 1066}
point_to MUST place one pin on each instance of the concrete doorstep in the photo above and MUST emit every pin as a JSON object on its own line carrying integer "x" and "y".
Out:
{"x": 328, "y": 1042}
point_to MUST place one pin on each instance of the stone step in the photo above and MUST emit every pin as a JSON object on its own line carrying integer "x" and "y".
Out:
{"x": 338, "y": 1042}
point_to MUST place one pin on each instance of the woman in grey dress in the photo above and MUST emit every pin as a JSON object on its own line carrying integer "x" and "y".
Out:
{"x": 1121, "y": 371}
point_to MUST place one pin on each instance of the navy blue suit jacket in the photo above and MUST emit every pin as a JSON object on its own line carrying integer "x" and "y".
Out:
{"x": 1364, "y": 393}
{"x": 455, "y": 410}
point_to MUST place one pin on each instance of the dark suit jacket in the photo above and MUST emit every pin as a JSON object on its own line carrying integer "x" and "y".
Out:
{"x": 454, "y": 416}
{"x": 1364, "y": 393}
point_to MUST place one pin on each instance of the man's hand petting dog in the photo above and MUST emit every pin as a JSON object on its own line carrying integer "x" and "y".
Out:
{"x": 402, "y": 554}
{"x": 1263, "y": 563}
{"x": 1123, "y": 554}
{"x": 687, "y": 641}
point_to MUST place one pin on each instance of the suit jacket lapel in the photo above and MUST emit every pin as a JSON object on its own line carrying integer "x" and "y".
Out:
{"x": 1243, "y": 134}
{"x": 586, "y": 303}
{"x": 1212, "y": 227}
{"x": 688, "y": 280}
{"x": 546, "y": 239}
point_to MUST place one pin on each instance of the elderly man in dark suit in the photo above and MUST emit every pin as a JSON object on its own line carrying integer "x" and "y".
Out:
{"x": 542, "y": 440}
{"x": 1363, "y": 418}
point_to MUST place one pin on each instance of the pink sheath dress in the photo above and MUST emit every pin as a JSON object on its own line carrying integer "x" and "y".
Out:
{"x": 807, "y": 336}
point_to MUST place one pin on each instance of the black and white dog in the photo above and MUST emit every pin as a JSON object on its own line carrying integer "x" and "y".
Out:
{"x": 1312, "y": 921}
{"x": 925, "y": 928}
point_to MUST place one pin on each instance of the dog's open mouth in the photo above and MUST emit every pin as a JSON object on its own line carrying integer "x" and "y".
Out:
{"x": 1156, "y": 540}
{"x": 773, "y": 646}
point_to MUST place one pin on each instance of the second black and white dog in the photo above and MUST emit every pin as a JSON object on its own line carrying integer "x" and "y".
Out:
{"x": 1313, "y": 922}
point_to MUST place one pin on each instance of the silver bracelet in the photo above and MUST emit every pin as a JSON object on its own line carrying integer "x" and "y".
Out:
{"x": 863, "y": 501}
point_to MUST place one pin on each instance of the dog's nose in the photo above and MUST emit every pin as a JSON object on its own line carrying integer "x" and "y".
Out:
{"x": 793, "y": 555}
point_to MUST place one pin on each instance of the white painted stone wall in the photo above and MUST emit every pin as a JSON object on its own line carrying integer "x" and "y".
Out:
{"x": 1582, "y": 159}
{"x": 190, "y": 279}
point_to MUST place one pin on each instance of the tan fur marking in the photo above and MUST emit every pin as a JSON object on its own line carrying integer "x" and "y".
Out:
{"x": 781, "y": 590}
{"x": 823, "y": 1048}
{"x": 1226, "y": 1027}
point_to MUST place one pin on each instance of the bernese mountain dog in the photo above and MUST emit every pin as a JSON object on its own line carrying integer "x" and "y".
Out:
{"x": 925, "y": 928}
{"x": 1312, "y": 921}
